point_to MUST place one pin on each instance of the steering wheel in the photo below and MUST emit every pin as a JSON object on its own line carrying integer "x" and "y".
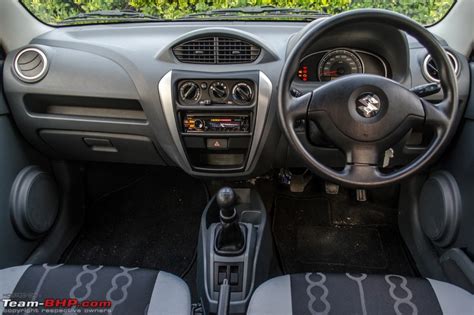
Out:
{"x": 364, "y": 115}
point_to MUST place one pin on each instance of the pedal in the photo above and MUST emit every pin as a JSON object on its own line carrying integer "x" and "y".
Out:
{"x": 361, "y": 195}
{"x": 299, "y": 182}
{"x": 331, "y": 188}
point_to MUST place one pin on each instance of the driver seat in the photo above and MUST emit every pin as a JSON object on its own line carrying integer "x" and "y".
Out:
{"x": 326, "y": 293}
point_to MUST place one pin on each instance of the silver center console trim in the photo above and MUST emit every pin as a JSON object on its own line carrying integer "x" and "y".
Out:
{"x": 165, "y": 91}
{"x": 263, "y": 102}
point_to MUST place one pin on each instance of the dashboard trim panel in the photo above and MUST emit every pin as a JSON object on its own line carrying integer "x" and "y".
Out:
{"x": 165, "y": 90}
{"x": 263, "y": 102}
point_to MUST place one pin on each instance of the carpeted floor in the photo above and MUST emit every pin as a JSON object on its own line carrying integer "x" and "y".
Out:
{"x": 145, "y": 217}
{"x": 335, "y": 233}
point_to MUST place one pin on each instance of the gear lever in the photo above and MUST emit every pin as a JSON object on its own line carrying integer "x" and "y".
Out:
{"x": 230, "y": 237}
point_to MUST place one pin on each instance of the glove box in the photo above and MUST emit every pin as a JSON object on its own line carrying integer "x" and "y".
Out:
{"x": 98, "y": 146}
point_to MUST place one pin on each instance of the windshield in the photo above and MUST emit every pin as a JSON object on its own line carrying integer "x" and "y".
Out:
{"x": 70, "y": 12}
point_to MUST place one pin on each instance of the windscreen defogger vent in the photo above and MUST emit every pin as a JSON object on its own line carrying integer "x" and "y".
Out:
{"x": 30, "y": 65}
{"x": 216, "y": 50}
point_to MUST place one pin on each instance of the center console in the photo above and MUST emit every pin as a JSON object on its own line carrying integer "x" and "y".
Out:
{"x": 216, "y": 119}
{"x": 234, "y": 250}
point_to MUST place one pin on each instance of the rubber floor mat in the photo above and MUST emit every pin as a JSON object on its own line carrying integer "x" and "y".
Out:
{"x": 151, "y": 222}
{"x": 340, "y": 245}
{"x": 334, "y": 234}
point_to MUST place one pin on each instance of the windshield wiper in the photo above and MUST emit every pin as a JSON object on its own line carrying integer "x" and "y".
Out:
{"x": 258, "y": 12}
{"x": 111, "y": 15}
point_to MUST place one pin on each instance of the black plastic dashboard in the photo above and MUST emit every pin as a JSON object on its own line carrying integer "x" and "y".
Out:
{"x": 117, "y": 92}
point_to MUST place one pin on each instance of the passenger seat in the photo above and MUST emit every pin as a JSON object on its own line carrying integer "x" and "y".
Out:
{"x": 332, "y": 293}
{"x": 131, "y": 290}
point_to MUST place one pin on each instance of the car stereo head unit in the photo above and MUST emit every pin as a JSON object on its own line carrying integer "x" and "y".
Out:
{"x": 216, "y": 123}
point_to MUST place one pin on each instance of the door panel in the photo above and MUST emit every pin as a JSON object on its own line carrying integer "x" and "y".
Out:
{"x": 15, "y": 154}
{"x": 458, "y": 260}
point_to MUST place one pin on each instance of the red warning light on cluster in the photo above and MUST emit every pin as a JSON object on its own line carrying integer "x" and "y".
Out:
{"x": 303, "y": 73}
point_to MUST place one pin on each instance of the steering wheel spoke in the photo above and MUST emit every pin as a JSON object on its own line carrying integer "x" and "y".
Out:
{"x": 362, "y": 154}
{"x": 362, "y": 164}
{"x": 297, "y": 107}
{"x": 436, "y": 115}
{"x": 362, "y": 173}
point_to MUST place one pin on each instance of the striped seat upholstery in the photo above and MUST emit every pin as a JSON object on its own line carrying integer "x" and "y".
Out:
{"x": 318, "y": 293}
{"x": 100, "y": 289}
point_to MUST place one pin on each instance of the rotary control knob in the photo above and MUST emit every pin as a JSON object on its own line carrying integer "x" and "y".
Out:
{"x": 242, "y": 93}
{"x": 190, "y": 92}
{"x": 199, "y": 124}
{"x": 218, "y": 91}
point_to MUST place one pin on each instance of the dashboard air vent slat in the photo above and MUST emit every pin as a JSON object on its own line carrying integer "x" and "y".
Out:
{"x": 30, "y": 65}
{"x": 231, "y": 50}
{"x": 430, "y": 69}
{"x": 217, "y": 50}
{"x": 196, "y": 51}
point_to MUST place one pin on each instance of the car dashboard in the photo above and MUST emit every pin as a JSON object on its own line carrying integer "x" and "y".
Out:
{"x": 200, "y": 96}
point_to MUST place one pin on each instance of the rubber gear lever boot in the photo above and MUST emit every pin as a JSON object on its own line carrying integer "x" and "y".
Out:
{"x": 230, "y": 237}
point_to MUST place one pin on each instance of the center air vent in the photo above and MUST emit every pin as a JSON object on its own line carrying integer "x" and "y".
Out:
{"x": 430, "y": 69}
{"x": 30, "y": 65}
{"x": 216, "y": 50}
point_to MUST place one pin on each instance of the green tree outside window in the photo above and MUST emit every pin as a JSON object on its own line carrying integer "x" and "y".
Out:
{"x": 54, "y": 11}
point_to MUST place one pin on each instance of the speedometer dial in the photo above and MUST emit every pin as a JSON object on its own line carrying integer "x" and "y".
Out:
{"x": 337, "y": 63}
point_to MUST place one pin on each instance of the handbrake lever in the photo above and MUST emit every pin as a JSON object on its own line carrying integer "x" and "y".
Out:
{"x": 224, "y": 298}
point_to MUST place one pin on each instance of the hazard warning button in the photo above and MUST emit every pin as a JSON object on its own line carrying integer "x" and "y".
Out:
{"x": 217, "y": 144}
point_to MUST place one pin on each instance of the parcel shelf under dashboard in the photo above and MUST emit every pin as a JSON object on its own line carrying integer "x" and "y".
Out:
{"x": 101, "y": 146}
{"x": 90, "y": 107}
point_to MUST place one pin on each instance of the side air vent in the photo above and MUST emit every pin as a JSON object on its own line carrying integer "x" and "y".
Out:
{"x": 217, "y": 50}
{"x": 30, "y": 65}
{"x": 430, "y": 69}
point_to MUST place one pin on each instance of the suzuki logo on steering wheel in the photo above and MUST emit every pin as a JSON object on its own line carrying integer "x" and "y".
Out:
{"x": 368, "y": 105}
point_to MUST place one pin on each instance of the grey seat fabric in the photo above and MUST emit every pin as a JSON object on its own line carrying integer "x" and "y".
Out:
{"x": 318, "y": 293}
{"x": 130, "y": 290}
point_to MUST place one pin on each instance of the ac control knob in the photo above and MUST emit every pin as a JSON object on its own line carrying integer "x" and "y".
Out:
{"x": 218, "y": 91}
{"x": 242, "y": 93}
{"x": 190, "y": 92}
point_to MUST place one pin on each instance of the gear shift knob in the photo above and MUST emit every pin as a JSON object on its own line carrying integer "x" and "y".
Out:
{"x": 226, "y": 200}
{"x": 230, "y": 238}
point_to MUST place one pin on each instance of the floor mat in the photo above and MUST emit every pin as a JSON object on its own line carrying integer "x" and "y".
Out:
{"x": 152, "y": 221}
{"x": 340, "y": 245}
{"x": 337, "y": 234}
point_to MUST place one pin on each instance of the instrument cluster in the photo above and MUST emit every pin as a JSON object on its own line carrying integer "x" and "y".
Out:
{"x": 331, "y": 64}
